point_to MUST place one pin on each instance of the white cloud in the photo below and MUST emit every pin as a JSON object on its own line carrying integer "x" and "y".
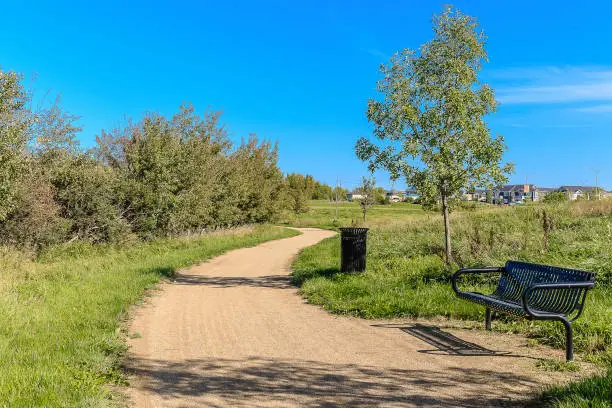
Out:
{"x": 546, "y": 85}
{"x": 607, "y": 108}
{"x": 557, "y": 94}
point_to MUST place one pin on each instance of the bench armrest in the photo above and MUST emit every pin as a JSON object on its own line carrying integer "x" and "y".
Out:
{"x": 548, "y": 286}
{"x": 488, "y": 269}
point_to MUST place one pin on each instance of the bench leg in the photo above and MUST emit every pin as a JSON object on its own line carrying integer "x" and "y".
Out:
{"x": 488, "y": 319}
{"x": 569, "y": 340}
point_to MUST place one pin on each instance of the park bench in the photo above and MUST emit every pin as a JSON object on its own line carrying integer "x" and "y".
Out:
{"x": 533, "y": 291}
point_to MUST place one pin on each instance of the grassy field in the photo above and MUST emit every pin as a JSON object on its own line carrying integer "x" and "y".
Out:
{"x": 61, "y": 338}
{"x": 322, "y": 214}
{"x": 406, "y": 276}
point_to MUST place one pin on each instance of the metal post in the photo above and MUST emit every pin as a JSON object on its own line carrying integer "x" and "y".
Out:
{"x": 488, "y": 319}
{"x": 569, "y": 340}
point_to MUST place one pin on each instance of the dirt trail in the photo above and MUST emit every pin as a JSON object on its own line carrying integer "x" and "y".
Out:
{"x": 232, "y": 332}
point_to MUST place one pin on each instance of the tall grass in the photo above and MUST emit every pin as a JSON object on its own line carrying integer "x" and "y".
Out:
{"x": 60, "y": 316}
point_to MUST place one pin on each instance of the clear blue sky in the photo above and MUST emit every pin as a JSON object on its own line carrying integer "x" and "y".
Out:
{"x": 301, "y": 72}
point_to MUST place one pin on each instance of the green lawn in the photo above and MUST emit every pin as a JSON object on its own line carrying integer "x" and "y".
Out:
{"x": 61, "y": 317}
{"x": 406, "y": 276}
{"x": 322, "y": 214}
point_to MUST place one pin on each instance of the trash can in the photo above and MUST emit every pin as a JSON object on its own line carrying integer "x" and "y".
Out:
{"x": 353, "y": 249}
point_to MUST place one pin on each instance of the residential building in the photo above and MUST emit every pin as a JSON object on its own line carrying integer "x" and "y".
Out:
{"x": 412, "y": 193}
{"x": 576, "y": 192}
{"x": 540, "y": 192}
{"x": 394, "y": 196}
{"x": 476, "y": 195}
{"x": 513, "y": 193}
{"x": 355, "y": 195}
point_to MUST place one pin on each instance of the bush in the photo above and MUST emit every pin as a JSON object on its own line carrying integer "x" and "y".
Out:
{"x": 35, "y": 222}
{"x": 555, "y": 197}
{"x": 157, "y": 177}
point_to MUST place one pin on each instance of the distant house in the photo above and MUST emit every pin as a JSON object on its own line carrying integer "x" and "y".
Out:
{"x": 355, "y": 195}
{"x": 513, "y": 193}
{"x": 576, "y": 192}
{"x": 476, "y": 195}
{"x": 394, "y": 196}
{"x": 539, "y": 193}
{"x": 412, "y": 193}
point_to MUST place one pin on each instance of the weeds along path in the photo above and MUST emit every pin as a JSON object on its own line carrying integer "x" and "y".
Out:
{"x": 233, "y": 332}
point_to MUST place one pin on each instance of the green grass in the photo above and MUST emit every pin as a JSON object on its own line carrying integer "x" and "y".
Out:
{"x": 553, "y": 364}
{"x": 593, "y": 392}
{"x": 322, "y": 214}
{"x": 61, "y": 341}
{"x": 405, "y": 274}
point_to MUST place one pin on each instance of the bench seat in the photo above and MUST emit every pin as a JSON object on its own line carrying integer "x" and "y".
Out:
{"x": 533, "y": 291}
{"x": 496, "y": 302}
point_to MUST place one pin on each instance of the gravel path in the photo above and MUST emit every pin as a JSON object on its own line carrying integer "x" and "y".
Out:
{"x": 233, "y": 332}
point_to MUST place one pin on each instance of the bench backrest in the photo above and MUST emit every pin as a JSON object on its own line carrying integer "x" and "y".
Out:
{"x": 518, "y": 276}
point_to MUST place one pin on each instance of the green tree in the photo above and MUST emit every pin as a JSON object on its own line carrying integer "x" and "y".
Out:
{"x": 297, "y": 192}
{"x": 322, "y": 191}
{"x": 339, "y": 193}
{"x": 160, "y": 176}
{"x": 367, "y": 190}
{"x": 260, "y": 180}
{"x": 380, "y": 196}
{"x": 555, "y": 197}
{"x": 15, "y": 122}
{"x": 431, "y": 117}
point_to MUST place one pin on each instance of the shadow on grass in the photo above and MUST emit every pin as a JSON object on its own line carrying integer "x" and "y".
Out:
{"x": 258, "y": 381}
{"x": 165, "y": 271}
{"x": 298, "y": 279}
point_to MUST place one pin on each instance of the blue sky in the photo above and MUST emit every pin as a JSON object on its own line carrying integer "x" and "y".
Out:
{"x": 301, "y": 72}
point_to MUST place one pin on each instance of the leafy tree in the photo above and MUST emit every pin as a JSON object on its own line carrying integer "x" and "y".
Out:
{"x": 15, "y": 122}
{"x": 54, "y": 133}
{"x": 380, "y": 196}
{"x": 322, "y": 191}
{"x": 310, "y": 186}
{"x": 297, "y": 192}
{"x": 88, "y": 196}
{"x": 430, "y": 119}
{"x": 555, "y": 197}
{"x": 339, "y": 193}
{"x": 160, "y": 176}
{"x": 261, "y": 180}
{"x": 367, "y": 190}
{"x": 35, "y": 222}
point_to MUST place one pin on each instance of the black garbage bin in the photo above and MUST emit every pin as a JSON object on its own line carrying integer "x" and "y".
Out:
{"x": 353, "y": 249}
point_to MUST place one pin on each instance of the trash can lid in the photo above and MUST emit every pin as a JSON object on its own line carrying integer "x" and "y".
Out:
{"x": 353, "y": 230}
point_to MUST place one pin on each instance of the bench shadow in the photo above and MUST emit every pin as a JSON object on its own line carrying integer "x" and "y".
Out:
{"x": 258, "y": 381}
{"x": 445, "y": 343}
{"x": 272, "y": 281}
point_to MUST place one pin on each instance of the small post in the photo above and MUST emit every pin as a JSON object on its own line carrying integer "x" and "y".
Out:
{"x": 488, "y": 319}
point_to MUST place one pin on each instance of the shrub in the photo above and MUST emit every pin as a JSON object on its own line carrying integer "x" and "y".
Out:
{"x": 157, "y": 177}
{"x": 555, "y": 197}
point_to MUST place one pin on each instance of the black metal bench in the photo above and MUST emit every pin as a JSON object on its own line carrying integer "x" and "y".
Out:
{"x": 534, "y": 291}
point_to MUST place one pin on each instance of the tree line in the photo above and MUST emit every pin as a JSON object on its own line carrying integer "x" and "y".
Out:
{"x": 159, "y": 176}
{"x": 302, "y": 188}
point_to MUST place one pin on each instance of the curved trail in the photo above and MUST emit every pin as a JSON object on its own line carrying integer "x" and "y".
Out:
{"x": 232, "y": 332}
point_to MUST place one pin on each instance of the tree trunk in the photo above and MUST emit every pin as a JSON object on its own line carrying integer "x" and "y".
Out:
{"x": 447, "y": 230}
